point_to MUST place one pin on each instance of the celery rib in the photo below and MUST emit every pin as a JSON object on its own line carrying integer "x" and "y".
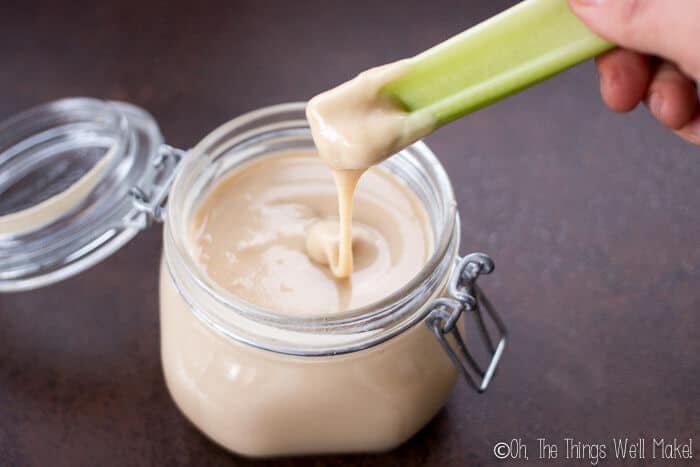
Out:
{"x": 496, "y": 58}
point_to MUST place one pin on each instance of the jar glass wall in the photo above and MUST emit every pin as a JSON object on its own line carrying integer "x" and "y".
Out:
{"x": 262, "y": 384}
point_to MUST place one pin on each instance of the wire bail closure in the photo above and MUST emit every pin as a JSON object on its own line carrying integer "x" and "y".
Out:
{"x": 152, "y": 204}
{"x": 466, "y": 296}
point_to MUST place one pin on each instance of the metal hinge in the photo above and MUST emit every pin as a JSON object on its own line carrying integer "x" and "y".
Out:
{"x": 152, "y": 203}
{"x": 466, "y": 296}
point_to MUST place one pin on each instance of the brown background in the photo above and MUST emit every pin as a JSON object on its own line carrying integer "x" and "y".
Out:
{"x": 593, "y": 220}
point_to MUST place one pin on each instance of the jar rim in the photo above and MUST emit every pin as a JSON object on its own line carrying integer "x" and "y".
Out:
{"x": 373, "y": 316}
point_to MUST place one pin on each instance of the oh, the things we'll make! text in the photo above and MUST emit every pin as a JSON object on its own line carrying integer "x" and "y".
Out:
{"x": 563, "y": 449}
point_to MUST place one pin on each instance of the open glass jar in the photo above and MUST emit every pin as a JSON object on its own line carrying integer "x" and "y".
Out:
{"x": 256, "y": 382}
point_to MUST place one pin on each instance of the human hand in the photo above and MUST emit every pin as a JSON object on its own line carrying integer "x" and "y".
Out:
{"x": 658, "y": 59}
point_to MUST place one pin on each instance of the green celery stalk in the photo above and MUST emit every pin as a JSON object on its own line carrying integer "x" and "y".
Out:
{"x": 494, "y": 59}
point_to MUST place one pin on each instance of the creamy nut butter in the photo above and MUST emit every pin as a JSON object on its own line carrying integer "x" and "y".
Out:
{"x": 259, "y": 234}
{"x": 268, "y": 231}
{"x": 258, "y": 403}
{"x": 264, "y": 349}
{"x": 354, "y": 127}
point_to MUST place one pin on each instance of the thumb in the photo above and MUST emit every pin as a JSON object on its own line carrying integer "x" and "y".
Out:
{"x": 659, "y": 27}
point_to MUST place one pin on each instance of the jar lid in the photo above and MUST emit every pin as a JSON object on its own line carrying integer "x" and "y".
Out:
{"x": 77, "y": 177}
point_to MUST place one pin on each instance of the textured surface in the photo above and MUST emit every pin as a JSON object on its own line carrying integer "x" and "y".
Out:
{"x": 592, "y": 218}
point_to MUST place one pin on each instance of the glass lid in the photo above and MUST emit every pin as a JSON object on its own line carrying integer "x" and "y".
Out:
{"x": 79, "y": 178}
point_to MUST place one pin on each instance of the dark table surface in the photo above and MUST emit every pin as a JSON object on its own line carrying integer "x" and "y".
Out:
{"x": 593, "y": 220}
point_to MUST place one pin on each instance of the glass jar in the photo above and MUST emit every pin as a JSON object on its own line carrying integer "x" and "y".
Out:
{"x": 256, "y": 382}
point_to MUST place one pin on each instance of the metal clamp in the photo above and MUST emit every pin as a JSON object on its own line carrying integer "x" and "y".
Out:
{"x": 466, "y": 296}
{"x": 153, "y": 203}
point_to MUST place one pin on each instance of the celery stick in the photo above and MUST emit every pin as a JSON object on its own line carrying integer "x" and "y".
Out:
{"x": 506, "y": 53}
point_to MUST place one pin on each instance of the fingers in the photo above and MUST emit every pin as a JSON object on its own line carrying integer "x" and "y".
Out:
{"x": 668, "y": 28}
{"x": 672, "y": 97}
{"x": 624, "y": 78}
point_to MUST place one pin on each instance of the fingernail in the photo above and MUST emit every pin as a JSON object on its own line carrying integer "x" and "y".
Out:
{"x": 656, "y": 104}
{"x": 692, "y": 132}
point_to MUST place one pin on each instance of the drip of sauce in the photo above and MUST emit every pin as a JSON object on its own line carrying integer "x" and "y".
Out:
{"x": 354, "y": 127}
{"x": 268, "y": 231}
